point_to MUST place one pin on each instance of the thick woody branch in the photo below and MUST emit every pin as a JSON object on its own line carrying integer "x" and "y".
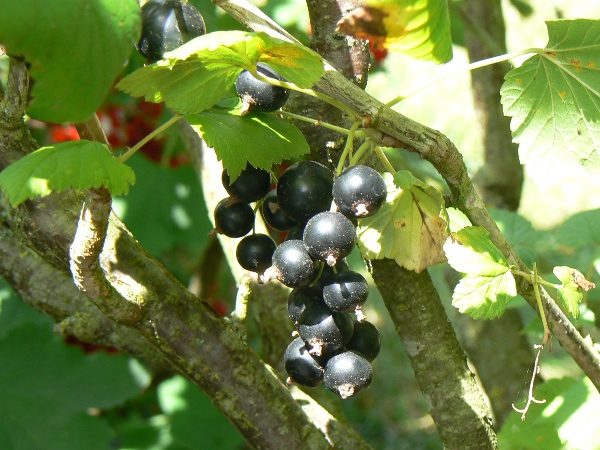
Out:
{"x": 396, "y": 130}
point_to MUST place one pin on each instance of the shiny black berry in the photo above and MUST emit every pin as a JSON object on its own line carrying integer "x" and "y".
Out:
{"x": 166, "y": 25}
{"x": 295, "y": 233}
{"x": 258, "y": 95}
{"x": 329, "y": 272}
{"x": 329, "y": 236}
{"x": 255, "y": 252}
{"x": 347, "y": 373}
{"x": 300, "y": 365}
{"x": 359, "y": 191}
{"x": 304, "y": 190}
{"x": 274, "y": 216}
{"x": 252, "y": 184}
{"x": 300, "y": 298}
{"x": 323, "y": 330}
{"x": 293, "y": 265}
{"x": 365, "y": 340}
{"x": 345, "y": 291}
{"x": 233, "y": 217}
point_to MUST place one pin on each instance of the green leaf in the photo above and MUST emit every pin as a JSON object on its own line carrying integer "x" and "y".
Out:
{"x": 259, "y": 139}
{"x": 553, "y": 99}
{"x": 48, "y": 387}
{"x": 68, "y": 165}
{"x": 580, "y": 230}
{"x": 14, "y": 313}
{"x": 419, "y": 28}
{"x": 409, "y": 228}
{"x": 573, "y": 284}
{"x": 75, "y": 51}
{"x": 489, "y": 285}
{"x": 186, "y": 407}
{"x": 568, "y": 419}
{"x": 519, "y": 232}
{"x": 197, "y": 75}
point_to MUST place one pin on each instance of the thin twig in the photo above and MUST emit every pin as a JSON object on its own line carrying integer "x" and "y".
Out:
{"x": 530, "y": 397}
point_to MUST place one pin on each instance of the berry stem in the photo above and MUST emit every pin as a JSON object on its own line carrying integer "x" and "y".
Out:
{"x": 466, "y": 68}
{"x": 318, "y": 123}
{"x": 364, "y": 147}
{"x": 529, "y": 278}
{"x": 538, "y": 299}
{"x": 384, "y": 160}
{"x": 129, "y": 153}
{"x": 348, "y": 147}
{"x": 291, "y": 86}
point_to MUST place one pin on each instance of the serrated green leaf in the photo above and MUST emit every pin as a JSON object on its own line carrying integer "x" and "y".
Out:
{"x": 68, "y": 165}
{"x": 553, "y": 99}
{"x": 484, "y": 297}
{"x": 259, "y": 139}
{"x": 419, "y": 28}
{"x": 573, "y": 284}
{"x": 409, "y": 228}
{"x": 489, "y": 285}
{"x": 471, "y": 251}
{"x": 197, "y": 75}
{"x": 75, "y": 51}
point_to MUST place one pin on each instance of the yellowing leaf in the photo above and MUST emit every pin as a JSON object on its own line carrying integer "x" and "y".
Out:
{"x": 409, "y": 228}
{"x": 417, "y": 28}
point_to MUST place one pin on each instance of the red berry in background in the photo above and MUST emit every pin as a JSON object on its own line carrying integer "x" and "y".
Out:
{"x": 63, "y": 133}
{"x": 220, "y": 307}
{"x": 379, "y": 53}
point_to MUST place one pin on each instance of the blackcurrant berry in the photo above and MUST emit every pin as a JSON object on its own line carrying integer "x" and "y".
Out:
{"x": 300, "y": 298}
{"x": 345, "y": 291}
{"x": 323, "y": 330}
{"x": 255, "y": 252}
{"x": 329, "y": 236}
{"x": 365, "y": 340}
{"x": 300, "y": 365}
{"x": 274, "y": 216}
{"x": 293, "y": 265}
{"x": 233, "y": 217}
{"x": 252, "y": 184}
{"x": 359, "y": 191}
{"x": 258, "y": 95}
{"x": 347, "y": 373}
{"x": 304, "y": 190}
{"x": 166, "y": 25}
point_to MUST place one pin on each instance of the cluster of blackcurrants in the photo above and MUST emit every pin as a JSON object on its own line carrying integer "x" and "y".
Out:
{"x": 334, "y": 343}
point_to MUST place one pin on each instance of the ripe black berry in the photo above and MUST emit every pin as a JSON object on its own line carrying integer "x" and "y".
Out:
{"x": 345, "y": 291}
{"x": 301, "y": 367}
{"x": 233, "y": 217}
{"x": 328, "y": 271}
{"x": 323, "y": 330}
{"x": 255, "y": 252}
{"x": 365, "y": 340}
{"x": 304, "y": 190}
{"x": 347, "y": 373}
{"x": 359, "y": 191}
{"x": 329, "y": 236}
{"x": 300, "y": 298}
{"x": 274, "y": 216}
{"x": 252, "y": 184}
{"x": 258, "y": 95}
{"x": 293, "y": 265}
{"x": 295, "y": 233}
{"x": 166, "y": 25}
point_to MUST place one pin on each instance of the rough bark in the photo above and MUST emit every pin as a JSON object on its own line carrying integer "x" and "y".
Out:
{"x": 394, "y": 129}
{"x": 458, "y": 406}
{"x": 499, "y": 181}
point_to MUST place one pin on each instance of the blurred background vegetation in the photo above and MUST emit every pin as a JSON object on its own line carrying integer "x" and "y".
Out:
{"x": 59, "y": 394}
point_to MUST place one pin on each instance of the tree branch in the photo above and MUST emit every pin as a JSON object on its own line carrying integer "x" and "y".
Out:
{"x": 397, "y": 130}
